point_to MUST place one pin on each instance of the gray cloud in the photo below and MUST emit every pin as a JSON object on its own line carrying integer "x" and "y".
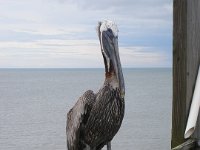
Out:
{"x": 41, "y": 29}
{"x": 104, "y": 4}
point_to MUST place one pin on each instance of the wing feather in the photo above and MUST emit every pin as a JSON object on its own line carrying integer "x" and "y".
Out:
{"x": 75, "y": 118}
{"x": 105, "y": 119}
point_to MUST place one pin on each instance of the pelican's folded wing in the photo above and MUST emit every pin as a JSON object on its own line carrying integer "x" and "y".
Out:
{"x": 76, "y": 116}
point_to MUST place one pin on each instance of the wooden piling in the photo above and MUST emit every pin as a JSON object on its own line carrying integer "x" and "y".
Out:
{"x": 186, "y": 59}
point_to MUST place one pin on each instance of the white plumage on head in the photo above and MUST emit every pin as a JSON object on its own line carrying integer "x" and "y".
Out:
{"x": 107, "y": 24}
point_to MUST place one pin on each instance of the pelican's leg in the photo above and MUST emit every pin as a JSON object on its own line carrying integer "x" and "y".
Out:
{"x": 109, "y": 145}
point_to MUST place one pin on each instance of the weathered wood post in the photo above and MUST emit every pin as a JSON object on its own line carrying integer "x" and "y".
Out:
{"x": 186, "y": 59}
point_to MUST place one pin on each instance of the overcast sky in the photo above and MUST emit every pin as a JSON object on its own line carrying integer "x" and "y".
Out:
{"x": 61, "y": 33}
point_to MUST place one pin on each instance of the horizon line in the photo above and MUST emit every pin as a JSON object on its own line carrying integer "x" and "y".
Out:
{"x": 84, "y": 68}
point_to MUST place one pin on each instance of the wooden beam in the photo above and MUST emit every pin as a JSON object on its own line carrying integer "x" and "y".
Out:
{"x": 179, "y": 71}
{"x": 193, "y": 53}
{"x": 189, "y": 144}
{"x": 186, "y": 60}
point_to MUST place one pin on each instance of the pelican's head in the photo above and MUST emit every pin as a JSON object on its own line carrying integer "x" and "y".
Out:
{"x": 108, "y": 37}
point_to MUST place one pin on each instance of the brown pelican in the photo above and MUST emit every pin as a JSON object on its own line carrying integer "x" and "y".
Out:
{"x": 96, "y": 118}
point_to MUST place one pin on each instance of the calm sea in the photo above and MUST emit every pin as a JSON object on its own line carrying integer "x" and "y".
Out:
{"x": 34, "y": 103}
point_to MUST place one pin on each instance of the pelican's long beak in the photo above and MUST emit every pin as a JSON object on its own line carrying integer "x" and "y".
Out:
{"x": 108, "y": 36}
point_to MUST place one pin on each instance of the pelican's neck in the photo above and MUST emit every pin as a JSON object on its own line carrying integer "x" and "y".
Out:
{"x": 111, "y": 79}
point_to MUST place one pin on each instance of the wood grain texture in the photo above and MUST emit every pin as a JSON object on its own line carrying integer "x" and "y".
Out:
{"x": 187, "y": 145}
{"x": 179, "y": 71}
{"x": 186, "y": 59}
{"x": 193, "y": 53}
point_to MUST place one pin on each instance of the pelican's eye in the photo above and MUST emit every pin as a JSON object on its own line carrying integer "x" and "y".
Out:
{"x": 109, "y": 30}
{"x": 110, "y": 33}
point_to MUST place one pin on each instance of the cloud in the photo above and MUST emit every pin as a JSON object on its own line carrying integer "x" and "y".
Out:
{"x": 62, "y": 33}
{"x": 142, "y": 57}
{"x": 72, "y": 53}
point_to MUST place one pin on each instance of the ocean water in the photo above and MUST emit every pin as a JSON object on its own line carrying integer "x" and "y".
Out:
{"x": 34, "y": 104}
